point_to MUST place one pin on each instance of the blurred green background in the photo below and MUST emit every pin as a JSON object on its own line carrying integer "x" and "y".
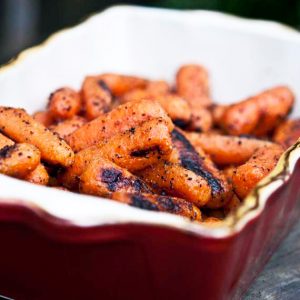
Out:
{"x": 26, "y": 22}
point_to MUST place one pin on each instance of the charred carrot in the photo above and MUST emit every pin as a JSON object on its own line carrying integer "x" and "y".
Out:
{"x": 159, "y": 203}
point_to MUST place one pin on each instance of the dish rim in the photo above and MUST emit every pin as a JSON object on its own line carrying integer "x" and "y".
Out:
{"x": 256, "y": 201}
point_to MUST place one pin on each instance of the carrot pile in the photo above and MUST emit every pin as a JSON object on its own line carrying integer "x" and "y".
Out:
{"x": 150, "y": 144}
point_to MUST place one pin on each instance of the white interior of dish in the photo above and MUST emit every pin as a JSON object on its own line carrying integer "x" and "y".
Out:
{"x": 243, "y": 57}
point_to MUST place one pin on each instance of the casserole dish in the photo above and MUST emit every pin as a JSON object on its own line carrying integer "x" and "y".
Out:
{"x": 60, "y": 245}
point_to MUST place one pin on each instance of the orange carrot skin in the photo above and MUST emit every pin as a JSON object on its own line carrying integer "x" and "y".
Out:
{"x": 262, "y": 162}
{"x": 66, "y": 127}
{"x": 175, "y": 106}
{"x": 134, "y": 150}
{"x": 118, "y": 120}
{"x": 102, "y": 177}
{"x": 195, "y": 160}
{"x": 22, "y": 128}
{"x": 227, "y": 150}
{"x": 64, "y": 103}
{"x": 140, "y": 146}
{"x": 287, "y": 133}
{"x": 96, "y": 97}
{"x": 44, "y": 117}
{"x": 18, "y": 160}
{"x": 260, "y": 114}
{"x": 5, "y": 141}
{"x": 121, "y": 84}
{"x": 174, "y": 180}
{"x": 192, "y": 84}
{"x": 38, "y": 176}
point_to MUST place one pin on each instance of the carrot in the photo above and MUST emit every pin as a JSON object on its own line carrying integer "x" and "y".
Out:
{"x": 43, "y": 117}
{"x": 21, "y": 127}
{"x": 67, "y": 127}
{"x": 226, "y": 150}
{"x": 38, "y": 176}
{"x": 96, "y": 97}
{"x": 193, "y": 85}
{"x": 121, "y": 84}
{"x": 140, "y": 146}
{"x": 18, "y": 160}
{"x": 120, "y": 119}
{"x": 64, "y": 103}
{"x": 159, "y": 203}
{"x": 260, "y": 114}
{"x": 134, "y": 150}
{"x": 200, "y": 164}
{"x": 175, "y": 180}
{"x": 261, "y": 163}
{"x": 70, "y": 178}
{"x": 287, "y": 133}
{"x": 175, "y": 106}
{"x": 232, "y": 205}
{"x": 102, "y": 177}
{"x": 201, "y": 120}
{"x": 5, "y": 141}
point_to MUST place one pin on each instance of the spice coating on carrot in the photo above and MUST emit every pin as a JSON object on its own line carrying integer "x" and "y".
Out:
{"x": 118, "y": 120}
{"x": 259, "y": 114}
{"x": 261, "y": 163}
{"x": 287, "y": 133}
{"x": 64, "y": 103}
{"x": 102, "y": 177}
{"x": 18, "y": 160}
{"x": 21, "y": 127}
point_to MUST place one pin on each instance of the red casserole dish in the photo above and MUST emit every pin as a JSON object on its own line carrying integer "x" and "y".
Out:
{"x": 60, "y": 245}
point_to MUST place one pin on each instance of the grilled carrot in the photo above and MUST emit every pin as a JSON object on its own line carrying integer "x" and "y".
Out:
{"x": 258, "y": 115}
{"x": 232, "y": 205}
{"x": 18, "y": 160}
{"x": 226, "y": 150}
{"x": 175, "y": 180}
{"x": 120, "y": 119}
{"x": 102, "y": 177}
{"x": 38, "y": 176}
{"x": 193, "y": 85}
{"x": 201, "y": 119}
{"x": 121, "y": 84}
{"x": 67, "y": 127}
{"x": 134, "y": 150}
{"x": 159, "y": 203}
{"x": 5, "y": 141}
{"x": 44, "y": 117}
{"x": 96, "y": 97}
{"x": 287, "y": 133}
{"x": 158, "y": 87}
{"x": 261, "y": 163}
{"x": 176, "y": 107}
{"x": 21, "y": 127}
{"x": 64, "y": 103}
{"x": 140, "y": 146}
{"x": 198, "y": 162}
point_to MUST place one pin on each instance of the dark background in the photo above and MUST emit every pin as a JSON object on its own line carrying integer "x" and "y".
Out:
{"x": 26, "y": 22}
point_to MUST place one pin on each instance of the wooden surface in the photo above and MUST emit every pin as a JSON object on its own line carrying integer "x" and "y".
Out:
{"x": 280, "y": 280}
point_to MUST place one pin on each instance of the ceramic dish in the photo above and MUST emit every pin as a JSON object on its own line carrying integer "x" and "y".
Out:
{"x": 61, "y": 245}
